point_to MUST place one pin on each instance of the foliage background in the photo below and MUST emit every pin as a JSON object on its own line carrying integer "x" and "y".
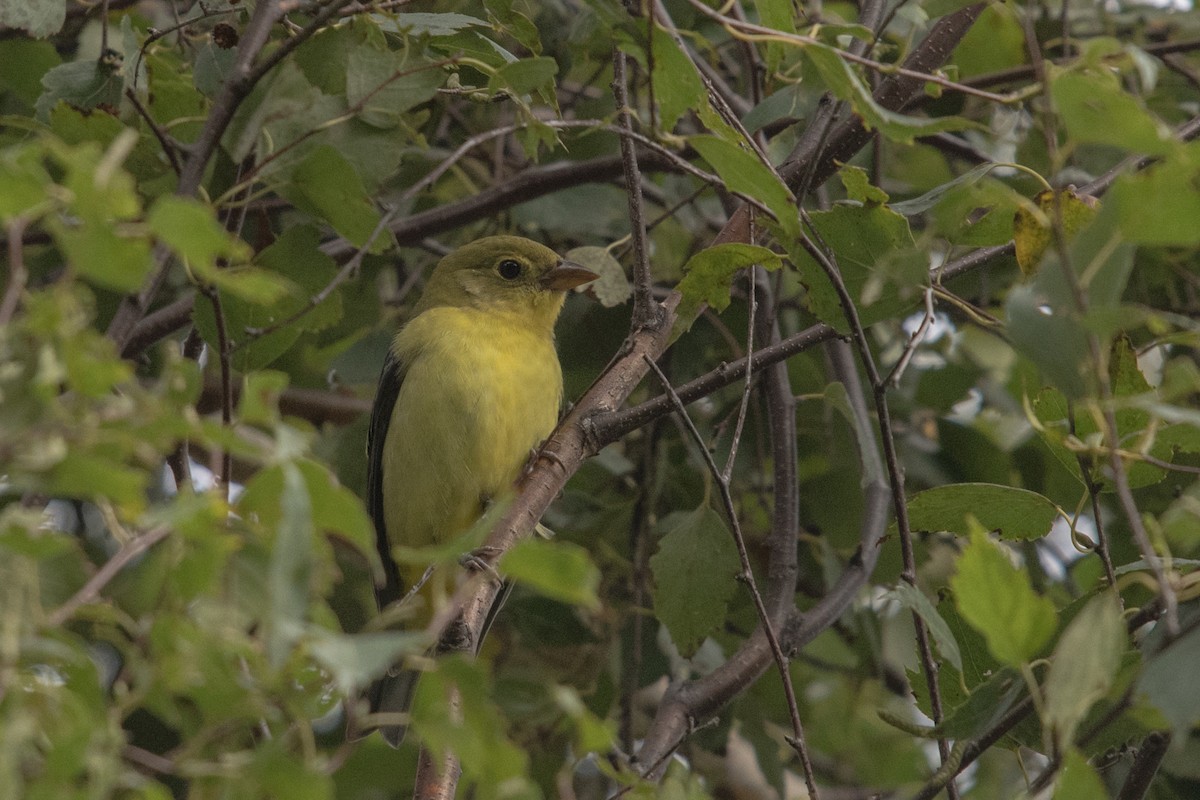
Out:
{"x": 215, "y": 215}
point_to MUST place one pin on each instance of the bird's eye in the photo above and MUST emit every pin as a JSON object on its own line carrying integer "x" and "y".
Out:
{"x": 509, "y": 270}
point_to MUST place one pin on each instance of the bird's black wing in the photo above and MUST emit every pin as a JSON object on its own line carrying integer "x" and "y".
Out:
{"x": 381, "y": 417}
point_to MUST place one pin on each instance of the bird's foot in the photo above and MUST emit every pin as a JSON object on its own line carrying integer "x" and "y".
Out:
{"x": 477, "y": 561}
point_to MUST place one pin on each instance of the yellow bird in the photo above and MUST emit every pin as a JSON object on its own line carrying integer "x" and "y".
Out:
{"x": 470, "y": 387}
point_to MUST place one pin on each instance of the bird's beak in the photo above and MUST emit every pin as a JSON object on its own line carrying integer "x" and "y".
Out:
{"x": 567, "y": 275}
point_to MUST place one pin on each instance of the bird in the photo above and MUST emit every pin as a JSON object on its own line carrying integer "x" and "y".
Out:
{"x": 470, "y": 387}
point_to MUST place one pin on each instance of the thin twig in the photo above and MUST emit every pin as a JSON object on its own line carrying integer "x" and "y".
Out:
{"x": 747, "y": 577}
{"x": 645, "y": 311}
{"x": 759, "y": 33}
{"x": 91, "y": 590}
{"x": 169, "y": 147}
{"x": 825, "y": 258}
{"x": 748, "y": 384}
{"x": 343, "y": 275}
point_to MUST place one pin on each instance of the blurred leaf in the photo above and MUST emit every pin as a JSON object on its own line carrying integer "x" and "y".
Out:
{"x": 1083, "y": 665}
{"x": 440, "y": 24}
{"x": 1158, "y": 205}
{"x": 1161, "y": 686}
{"x": 996, "y": 598}
{"x": 612, "y": 288}
{"x": 476, "y": 735}
{"x": 559, "y": 570}
{"x": 931, "y": 198}
{"x": 39, "y": 18}
{"x": 995, "y": 42}
{"x": 85, "y": 85}
{"x": 355, "y": 661}
{"x": 326, "y": 185}
{"x": 192, "y": 231}
{"x": 697, "y": 552}
{"x": 1051, "y": 337}
{"x": 1015, "y": 514}
{"x": 1059, "y": 427}
{"x": 1078, "y": 780}
{"x": 1094, "y": 108}
{"x": 525, "y": 76}
{"x": 26, "y": 61}
{"x": 87, "y": 475}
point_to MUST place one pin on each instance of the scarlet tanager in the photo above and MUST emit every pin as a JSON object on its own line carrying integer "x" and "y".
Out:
{"x": 470, "y": 387}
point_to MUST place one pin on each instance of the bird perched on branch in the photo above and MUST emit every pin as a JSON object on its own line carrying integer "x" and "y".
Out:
{"x": 471, "y": 386}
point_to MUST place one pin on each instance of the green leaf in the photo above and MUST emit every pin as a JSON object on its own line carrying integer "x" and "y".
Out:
{"x": 859, "y": 188}
{"x": 97, "y": 233}
{"x": 355, "y": 661}
{"x": 710, "y": 273}
{"x": 476, "y": 734}
{"x": 191, "y": 229}
{"x": 327, "y": 185}
{"x": 694, "y": 577}
{"x": 338, "y": 510}
{"x": 290, "y": 565}
{"x": 997, "y": 600}
{"x": 1083, "y": 665}
{"x": 984, "y": 707}
{"x": 1051, "y": 336}
{"x": 777, "y": 15}
{"x": 612, "y": 288}
{"x": 25, "y": 62}
{"x": 844, "y": 82}
{"x": 525, "y": 76}
{"x": 872, "y": 248}
{"x": 84, "y": 85}
{"x": 995, "y": 42}
{"x": 1160, "y": 204}
{"x": 559, "y": 570}
{"x": 1058, "y": 427}
{"x": 384, "y": 85}
{"x": 745, "y": 173}
{"x": 934, "y": 196}
{"x": 256, "y": 299}
{"x": 1015, "y": 514}
{"x": 90, "y": 476}
{"x": 1095, "y": 109}
{"x": 23, "y": 181}
{"x": 915, "y": 600}
{"x": 1078, "y": 780}
{"x": 677, "y": 87}
{"x": 432, "y": 24}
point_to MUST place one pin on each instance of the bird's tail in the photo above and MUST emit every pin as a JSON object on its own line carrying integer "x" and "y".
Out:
{"x": 392, "y": 694}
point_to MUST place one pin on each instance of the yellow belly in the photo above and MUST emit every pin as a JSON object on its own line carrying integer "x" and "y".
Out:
{"x": 480, "y": 391}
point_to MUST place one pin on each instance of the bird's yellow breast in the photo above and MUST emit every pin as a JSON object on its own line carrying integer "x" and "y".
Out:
{"x": 480, "y": 390}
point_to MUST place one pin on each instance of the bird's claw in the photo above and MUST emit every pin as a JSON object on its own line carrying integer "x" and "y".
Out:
{"x": 477, "y": 561}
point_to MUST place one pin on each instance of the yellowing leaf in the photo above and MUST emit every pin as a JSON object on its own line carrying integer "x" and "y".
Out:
{"x": 1033, "y": 228}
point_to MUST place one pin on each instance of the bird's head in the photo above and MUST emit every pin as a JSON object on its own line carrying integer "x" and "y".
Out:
{"x": 505, "y": 274}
